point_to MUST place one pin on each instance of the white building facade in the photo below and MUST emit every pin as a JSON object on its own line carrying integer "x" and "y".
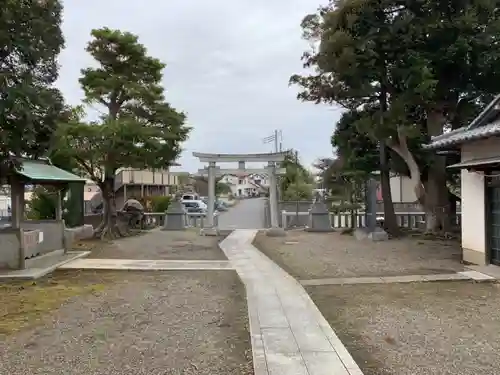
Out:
{"x": 245, "y": 186}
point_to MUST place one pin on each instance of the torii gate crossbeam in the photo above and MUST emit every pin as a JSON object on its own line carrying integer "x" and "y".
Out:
{"x": 212, "y": 171}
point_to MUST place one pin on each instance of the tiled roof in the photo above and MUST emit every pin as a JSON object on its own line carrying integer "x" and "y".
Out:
{"x": 486, "y": 124}
{"x": 464, "y": 134}
{"x": 476, "y": 162}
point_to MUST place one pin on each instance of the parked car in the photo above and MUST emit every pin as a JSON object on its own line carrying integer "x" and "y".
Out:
{"x": 194, "y": 206}
{"x": 190, "y": 197}
{"x": 218, "y": 205}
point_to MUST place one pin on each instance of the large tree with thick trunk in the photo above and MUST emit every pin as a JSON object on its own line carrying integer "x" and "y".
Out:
{"x": 30, "y": 107}
{"x": 138, "y": 128}
{"x": 424, "y": 65}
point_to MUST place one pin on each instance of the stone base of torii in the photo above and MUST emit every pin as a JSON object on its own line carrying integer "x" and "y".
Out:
{"x": 271, "y": 170}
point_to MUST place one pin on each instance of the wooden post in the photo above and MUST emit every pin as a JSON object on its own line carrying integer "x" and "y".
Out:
{"x": 59, "y": 206}
{"x": 17, "y": 208}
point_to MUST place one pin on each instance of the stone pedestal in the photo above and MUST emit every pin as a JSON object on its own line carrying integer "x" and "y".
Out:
{"x": 378, "y": 234}
{"x": 175, "y": 217}
{"x": 319, "y": 218}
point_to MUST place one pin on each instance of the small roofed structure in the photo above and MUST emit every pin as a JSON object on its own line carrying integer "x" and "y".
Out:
{"x": 478, "y": 146}
{"x": 24, "y": 241}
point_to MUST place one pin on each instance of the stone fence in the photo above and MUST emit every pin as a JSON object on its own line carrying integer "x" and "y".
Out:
{"x": 295, "y": 214}
{"x": 410, "y": 220}
{"x": 156, "y": 219}
{"x": 288, "y": 206}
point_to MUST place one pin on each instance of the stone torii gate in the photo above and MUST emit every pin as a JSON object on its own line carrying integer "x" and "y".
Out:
{"x": 212, "y": 171}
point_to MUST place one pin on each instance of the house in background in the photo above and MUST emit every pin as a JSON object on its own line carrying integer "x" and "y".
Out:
{"x": 262, "y": 180}
{"x": 402, "y": 193}
{"x": 197, "y": 184}
{"x": 243, "y": 185}
{"x": 479, "y": 148}
{"x": 89, "y": 191}
{"x": 136, "y": 183}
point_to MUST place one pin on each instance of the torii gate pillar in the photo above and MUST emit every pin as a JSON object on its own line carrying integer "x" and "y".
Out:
{"x": 241, "y": 159}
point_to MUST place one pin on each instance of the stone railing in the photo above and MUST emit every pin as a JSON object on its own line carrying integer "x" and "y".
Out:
{"x": 196, "y": 220}
{"x": 192, "y": 219}
{"x": 411, "y": 220}
{"x": 297, "y": 214}
{"x": 302, "y": 207}
{"x": 153, "y": 219}
{"x": 157, "y": 219}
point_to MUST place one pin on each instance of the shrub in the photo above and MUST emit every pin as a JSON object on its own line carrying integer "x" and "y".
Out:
{"x": 160, "y": 204}
{"x": 42, "y": 205}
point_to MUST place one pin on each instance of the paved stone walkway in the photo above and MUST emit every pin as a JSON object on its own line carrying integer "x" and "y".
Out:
{"x": 465, "y": 275}
{"x": 490, "y": 270}
{"x": 43, "y": 265}
{"x": 289, "y": 334}
{"x": 247, "y": 214}
{"x": 158, "y": 265}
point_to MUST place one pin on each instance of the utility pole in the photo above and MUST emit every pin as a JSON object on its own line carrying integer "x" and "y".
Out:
{"x": 276, "y": 138}
{"x": 276, "y": 141}
{"x": 297, "y": 187}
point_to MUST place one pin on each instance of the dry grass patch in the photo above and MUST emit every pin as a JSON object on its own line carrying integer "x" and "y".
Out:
{"x": 25, "y": 304}
{"x": 171, "y": 322}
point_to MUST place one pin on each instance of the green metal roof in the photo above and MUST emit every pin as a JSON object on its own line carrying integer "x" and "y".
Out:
{"x": 37, "y": 170}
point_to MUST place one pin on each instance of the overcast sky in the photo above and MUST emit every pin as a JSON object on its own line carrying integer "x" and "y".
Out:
{"x": 228, "y": 65}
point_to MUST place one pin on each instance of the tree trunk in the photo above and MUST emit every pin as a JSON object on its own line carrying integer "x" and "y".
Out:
{"x": 108, "y": 228}
{"x": 390, "y": 220}
{"x": 401, "y": 148}
{"x": 438, "y": 203}
{"x": 433, "y": 195}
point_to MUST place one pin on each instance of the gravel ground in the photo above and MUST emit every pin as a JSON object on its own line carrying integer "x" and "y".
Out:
{"x": 155, "y": 323}
{"x": 327, "y": 255}
{"x": 445, "y": 328}
{"x": 157, "y": 244}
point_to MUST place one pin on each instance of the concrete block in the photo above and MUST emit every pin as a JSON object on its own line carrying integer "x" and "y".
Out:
{"x": 276, "y": 232}
{"x": 377, "y": 235}
{"x": 209, "y": 231}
